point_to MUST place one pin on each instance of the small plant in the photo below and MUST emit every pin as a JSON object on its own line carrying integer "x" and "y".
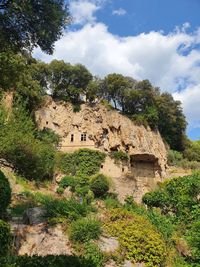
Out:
{"x": 111, "y": 202}
{"x": 5, "y": 238}
{"x": 174, "y": 157}
{"x": 99, "y": 185}
{"x": 93, "y": 254}
{"x": 5, "y": 193}
{"x": 67, "y": 181}
{"x": 85, "y": 229}
{"x": 70, "y": 209}
{"x": 60, "y": 190}
{"x": 120, "y": 156}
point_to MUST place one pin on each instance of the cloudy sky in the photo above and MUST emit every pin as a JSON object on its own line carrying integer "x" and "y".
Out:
{"x": 147, "y": 39}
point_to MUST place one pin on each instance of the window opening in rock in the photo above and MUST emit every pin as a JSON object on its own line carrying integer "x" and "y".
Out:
{"x": 83, "y": 137}
{"x": 47, "y": 122}
{"x": 72, "y": 138}
{"x": 101, "y": 166}
{"x": 122, "y": 169}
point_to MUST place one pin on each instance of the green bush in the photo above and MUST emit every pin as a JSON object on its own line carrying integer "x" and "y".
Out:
{"x": 119, "y": 156}
{"x": 70, "y": 208}
{"x": 174, "y": 157}
{"x": 99, "y": 185}
{"x": 67, "y": 181}
{"x": 139, "y": 240}
{"x": 31, "y": 157}
{"x": 47, "y": 261}
{"x": 93, "y": 254}
{"x": 5, "y": 238}
{"x": 193, "y": 237}
{"x": 5, "y": 193}
{"x": 85, "y": 229}
{"x": 178, "y": 196}
{"x": 84, "y": 162}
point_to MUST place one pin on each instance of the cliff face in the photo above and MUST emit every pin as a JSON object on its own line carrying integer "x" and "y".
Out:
{"x": 96, "y": 127}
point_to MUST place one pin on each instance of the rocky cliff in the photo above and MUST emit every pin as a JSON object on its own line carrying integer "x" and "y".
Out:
{"x": 108, "y": 130}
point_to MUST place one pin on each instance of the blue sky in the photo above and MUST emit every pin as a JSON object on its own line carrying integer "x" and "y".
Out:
{"x": 145, "y": 39}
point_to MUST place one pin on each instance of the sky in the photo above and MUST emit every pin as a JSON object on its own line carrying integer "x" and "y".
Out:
{"x": 157, "y": 40}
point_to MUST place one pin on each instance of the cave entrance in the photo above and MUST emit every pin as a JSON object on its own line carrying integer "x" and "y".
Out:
{"x": 143, "y": 165}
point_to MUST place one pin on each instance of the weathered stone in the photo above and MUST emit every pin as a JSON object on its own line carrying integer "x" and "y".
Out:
{"x": 41, "y": 240}
{"x": 34, "y": 216}
{"x": 108, "y": 244}
{"x": 108, "y": 130}
{"x": 130, "y": 264}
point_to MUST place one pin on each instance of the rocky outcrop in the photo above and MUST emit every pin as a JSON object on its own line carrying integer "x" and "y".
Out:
{"x": 108, "y": 130}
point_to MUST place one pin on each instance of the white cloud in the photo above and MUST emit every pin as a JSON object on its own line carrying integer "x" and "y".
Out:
{"x": 83, "y": 11}
{"x": 169, "y": 61}
{"x": 190, "y": 97}
{"x": 119, "y": 12}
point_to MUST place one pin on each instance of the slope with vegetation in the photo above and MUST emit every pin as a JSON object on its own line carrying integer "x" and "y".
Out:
{"x": 163, "y": 232}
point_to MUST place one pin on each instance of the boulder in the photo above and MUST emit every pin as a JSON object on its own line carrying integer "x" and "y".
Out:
{"x": 33, "y": 216}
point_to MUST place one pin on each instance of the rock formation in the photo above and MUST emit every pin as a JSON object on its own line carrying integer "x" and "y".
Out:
{"x": 97, "y": 127}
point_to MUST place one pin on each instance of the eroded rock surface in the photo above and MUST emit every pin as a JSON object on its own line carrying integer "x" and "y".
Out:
{"x": 41, "y": 240}
{"x": 96, "y": 127}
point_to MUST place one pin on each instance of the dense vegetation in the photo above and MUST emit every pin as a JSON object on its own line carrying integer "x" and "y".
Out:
{"x": 166, "y": 232}
{"x": 5, "y": 193}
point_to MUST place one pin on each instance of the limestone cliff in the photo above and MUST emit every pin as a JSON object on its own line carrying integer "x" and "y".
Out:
{"x": 98, "y": 127}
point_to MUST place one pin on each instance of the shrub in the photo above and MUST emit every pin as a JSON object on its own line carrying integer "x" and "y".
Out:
{"x": 5, "y": 193}
{"x": 139, "y": 240}
{"x": 93, "y": 254}
{"x": 30, "y": 157}
{"x": 174, "y": 157}
{"x": 99, "y": 185}
{"x": 111, "y": 203}
{"x": 85, "y": 229}
{"x": 70, "y": 209}
{"x": 193, "y": 237}
{"x": 60, "y": 190}
{"x": 47, "y": 261}
{"x": 67, "y": 181}
{"x": 119, "y": 156}
{"x": 5, "y": 238}
{"x": 84, "y": 162}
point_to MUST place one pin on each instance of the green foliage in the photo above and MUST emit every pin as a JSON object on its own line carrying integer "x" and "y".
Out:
{"x": 38, "y": 24}
{"x": 192, "y": 151}
{"x": 47, "y": 261}
{"x": 93, "y": 254}
{"x": 139, "y": 240}
{"x": 48, "y": 136}
{"x": 178, "y": 196}
{"x": 193, "y": 237}
{"x": 120, "y": 156}
{"x": 68, "y": 82}
{"x": 31, "y": 157}
{"x": 5, "y": 238}
{"x": 174, "y": 157}
{"x": 111, "y": 202}
{"x": 85, "y": 229}
{"x": 99, "y": 185}
{"x": 66, "y": 208}
{"x": 84, "y": 162}
{"x": 5, "y": 193}
{"x": 68, "y": 181}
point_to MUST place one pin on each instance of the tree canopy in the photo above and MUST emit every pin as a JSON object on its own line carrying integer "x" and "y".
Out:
{"x": 28, "y": 24}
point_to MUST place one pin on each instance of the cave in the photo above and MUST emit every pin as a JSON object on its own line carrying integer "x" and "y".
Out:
{"x": 143, "y": 165}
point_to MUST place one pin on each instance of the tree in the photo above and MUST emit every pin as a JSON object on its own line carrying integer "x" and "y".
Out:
{"x": 172, "y": 122}
{"x": 5, "y": 193}
{"x": 68, "y": 82}
{"x": 28, "y": 24}
{"x": 114, "y": 87}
